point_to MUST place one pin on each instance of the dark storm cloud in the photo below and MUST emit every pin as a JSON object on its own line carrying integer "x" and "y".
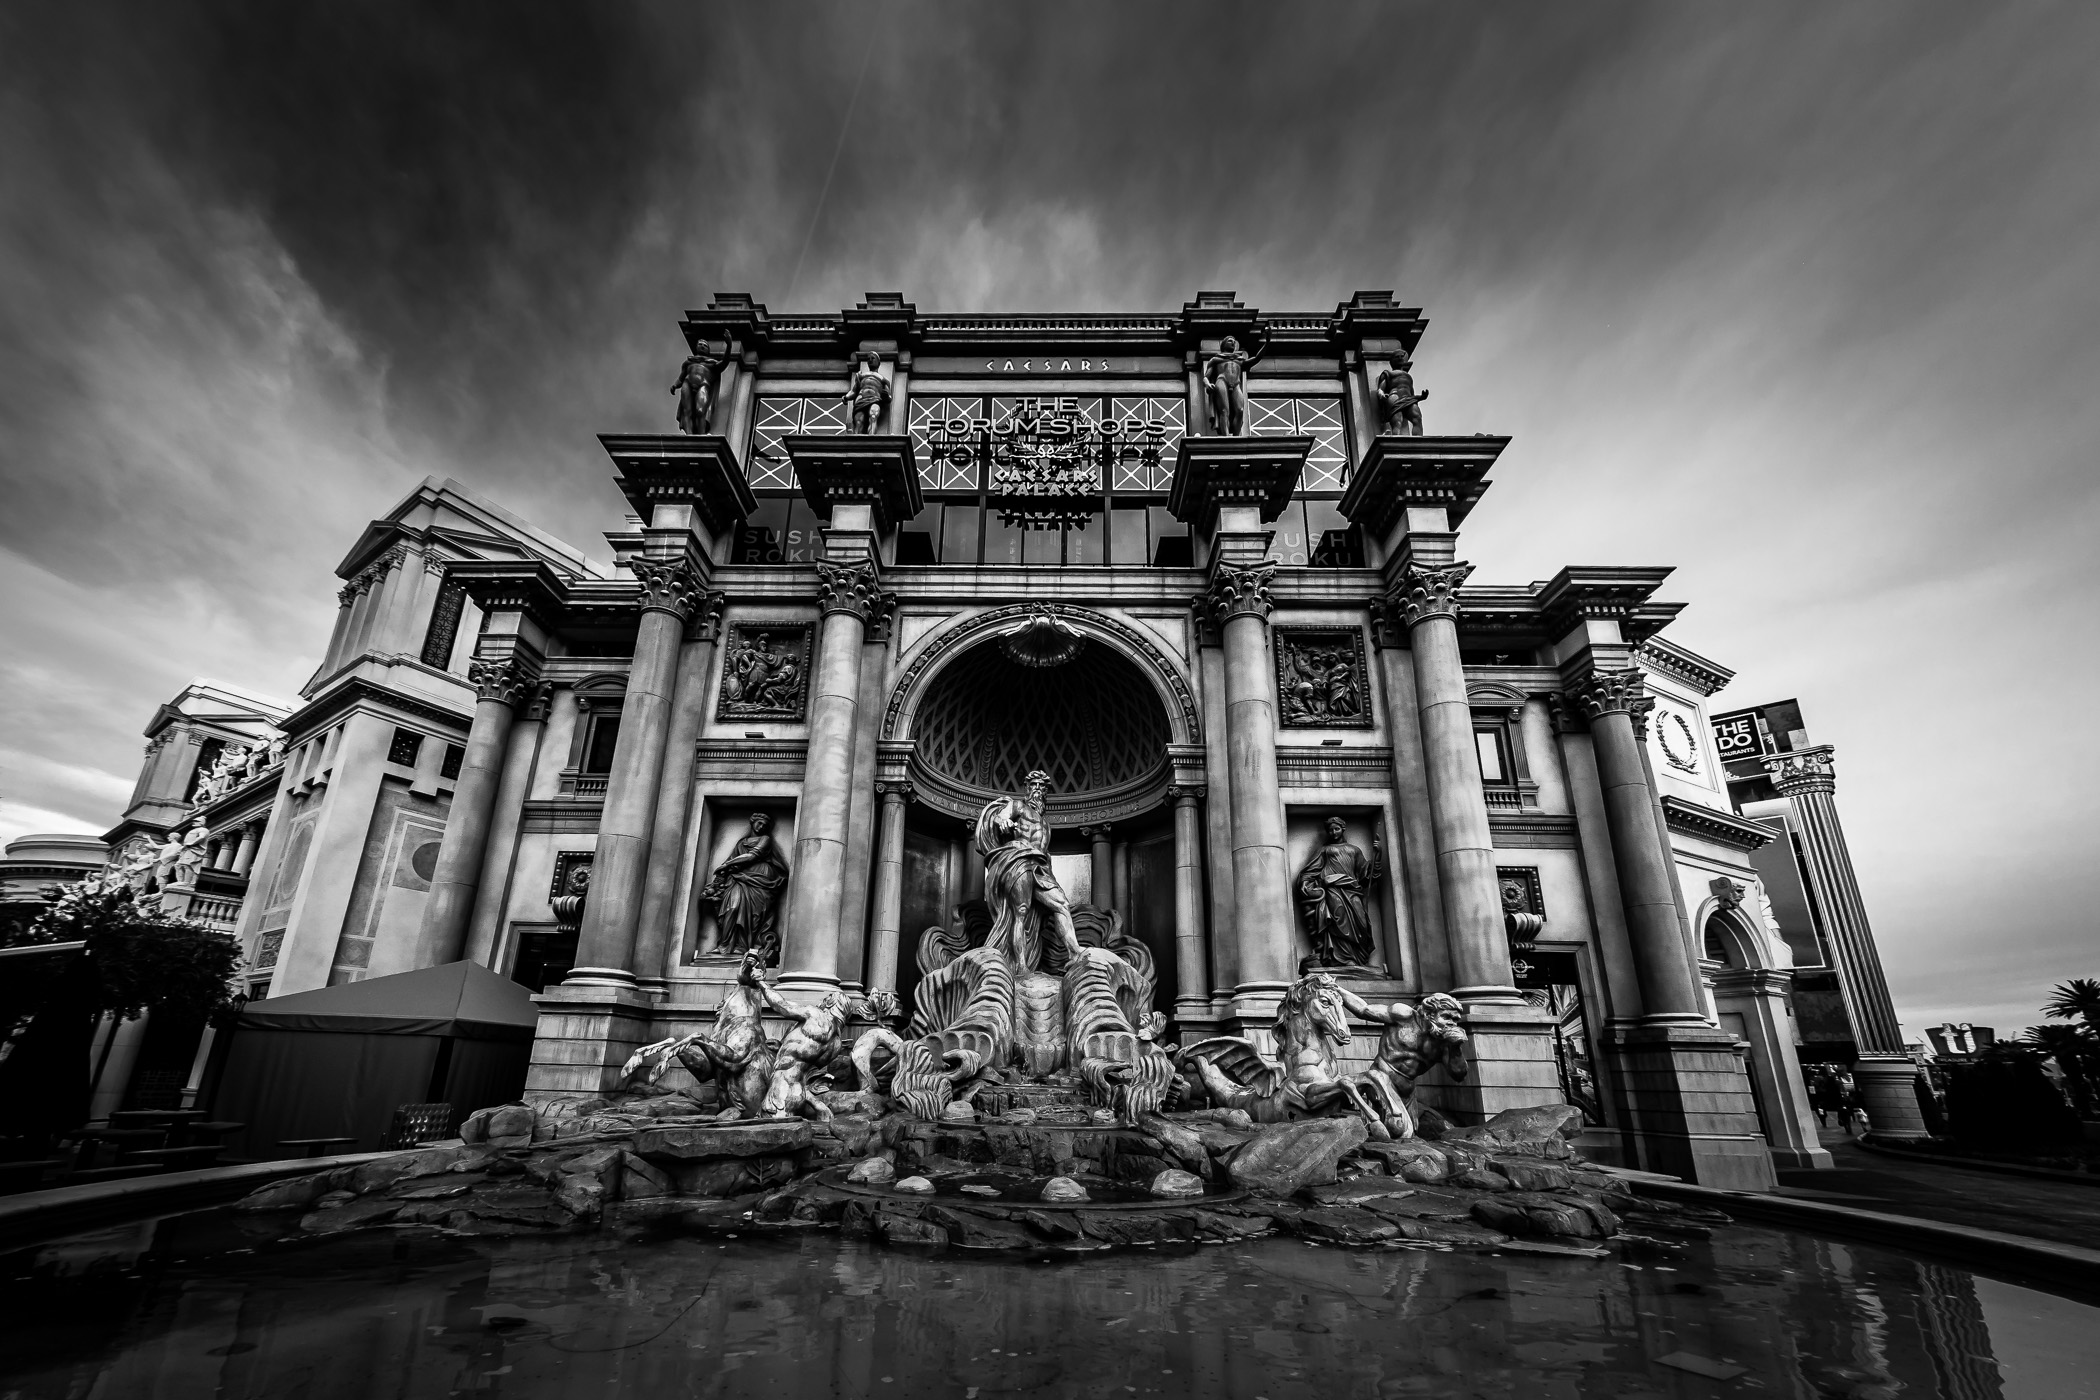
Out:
{"x": 1799, "y": 298}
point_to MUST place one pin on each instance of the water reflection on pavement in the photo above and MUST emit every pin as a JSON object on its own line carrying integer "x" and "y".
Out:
{"x": 189, "y": 1308}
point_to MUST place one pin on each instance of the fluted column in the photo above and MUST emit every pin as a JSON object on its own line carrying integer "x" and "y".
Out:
{"x": 1425, "y": 600}
{"x": 1640, "y": 849}
{"x": 1807, "y": 778}
{"x": 605, "y": 944}
{"x": 654, "y": 937}
{"x": 500, "y": 686}
{"x": 849, "y": 594}
{"x": 1102, "y": 855}
{"x": 1239, "y": 602}
{"x": 1191, "y": 967}
{"x": 889, "y": 886}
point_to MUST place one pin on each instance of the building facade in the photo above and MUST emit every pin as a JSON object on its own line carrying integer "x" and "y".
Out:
{"x": 1203, "y": 570}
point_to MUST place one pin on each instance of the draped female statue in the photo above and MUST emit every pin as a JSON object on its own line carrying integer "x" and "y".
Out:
{"x": 1334, "y": 900}
{"x": 745, "y": 890}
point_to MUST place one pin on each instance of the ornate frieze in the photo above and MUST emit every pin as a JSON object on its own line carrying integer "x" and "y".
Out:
{"x": 372, "y": 573}
{"x": 1803, "y": 771}
{"x": 510, "y": 679}
{"x": 765, "y": 672}
{"x": 1237, "y": 591}
{"x": 1427, "y": 591}
{"x": 1320, "y": 678}
{"x": 668, "y": 585}
{"x": 853, "y": 588}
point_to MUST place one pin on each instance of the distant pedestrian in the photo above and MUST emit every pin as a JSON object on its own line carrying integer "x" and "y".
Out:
{"x": 1827, "y": 1098}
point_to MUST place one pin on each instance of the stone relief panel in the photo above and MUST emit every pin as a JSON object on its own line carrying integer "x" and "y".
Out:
{"x": 765, "y": 671}
{"x": 1320, "y": 678}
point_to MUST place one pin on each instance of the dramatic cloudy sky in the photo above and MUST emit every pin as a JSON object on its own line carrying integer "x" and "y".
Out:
{"x": 1801, "y": 299}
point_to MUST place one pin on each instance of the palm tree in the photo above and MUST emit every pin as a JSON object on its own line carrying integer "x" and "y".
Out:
{"x": 2069, "y": 1046}
{"x": 2077, "y": 999}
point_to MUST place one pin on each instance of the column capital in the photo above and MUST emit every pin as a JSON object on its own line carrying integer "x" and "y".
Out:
{"x": 1189, "y": 793}
{"x": 853, "y": 588}
{"x": 1098, "y": 831}
{"x": 896, "y": 790}
{"x": 668, "y": 585}
{"x": 1426, "y": 591}
{"x": 511, "y": 679}
{"x": 1619, "y": 691}
{"x": 1236, "y": 591}
{"x": 1803, "y": 771}
{"x": 705, "y": 622}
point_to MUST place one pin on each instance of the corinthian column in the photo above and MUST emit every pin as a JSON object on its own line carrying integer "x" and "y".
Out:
{"x": 1425, "y": 600}
{"x": 653, "y": 940}
{"x": 850, "y": 595}
{"x": 1609, "y": 700}
{"x": 1239, "y": 602}
{"x": 500, "y": 686}
{"x": 605, "y": 944}
{"x": 1807, "y": 778}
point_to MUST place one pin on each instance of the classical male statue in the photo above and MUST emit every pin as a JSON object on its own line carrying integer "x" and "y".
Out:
{"x": 867, "y": 395}
{"x": 813, "y": 1041}
{"x": 1399, "y": 411}
{"x": 745, "y": 890}
{"x": 1334, "y": 900}
{"x": 1415, "y": 1040}
{"x": 1018, "y": 883}
{"x": 695, "y": 387}
{"x": 1225, "y": 386}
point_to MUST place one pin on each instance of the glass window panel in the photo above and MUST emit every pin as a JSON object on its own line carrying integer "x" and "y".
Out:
{"x": 1327, "y": 464}
{"x": 1490, "y": 746}
{"x": 803, "y": 542}
{"x": 1126, "y": 536}
{"x": 1161, "y": 525}
{"x": 1144, "y": 460}
{"x": 1288, "y": 545}
{"x": 776, "y": 418}
{"x": 1042, "y": 547}
{"x": 959, "y": 524}
{"x": 1002, "y": 543}
{"x": 762, "y": 539}
{"x": 1086, "y": 546}
{"x": 952, "y": 467}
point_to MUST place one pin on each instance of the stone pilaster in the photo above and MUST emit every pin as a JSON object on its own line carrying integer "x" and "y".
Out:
{"x": 501, "y": 684}
{"x": 655, "y": 938}
{"x": 1191, "y": 966}
{"x": 1886, "y": 1076}
{"x": 889, "y": 884}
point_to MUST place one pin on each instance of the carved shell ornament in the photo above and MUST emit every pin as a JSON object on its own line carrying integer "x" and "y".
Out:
{"x": 1041, "y": 640}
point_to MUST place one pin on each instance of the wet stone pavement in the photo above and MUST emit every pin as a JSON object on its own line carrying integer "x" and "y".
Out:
{"x": 215, "y": 1304}
{"x": 2066, "y": 1212}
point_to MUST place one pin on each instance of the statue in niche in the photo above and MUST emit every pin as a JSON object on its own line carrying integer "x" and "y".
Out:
{"x": 1225, "y": 387}
{"x": 745, "y": 890}
{"x": 695, "y": 387}
{"x": 867, "y": 395}
{"x": 1334, "y": 900}
{"x": 1416, "y": 1039}
{"x": 1399, "y": 405}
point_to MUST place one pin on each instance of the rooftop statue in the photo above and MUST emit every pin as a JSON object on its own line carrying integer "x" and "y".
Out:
{"x": 1399, "y": 412}
{"x": 1225, "y": 387}
{"x": 695, "y": 387}
{"x": 867, "y": 395}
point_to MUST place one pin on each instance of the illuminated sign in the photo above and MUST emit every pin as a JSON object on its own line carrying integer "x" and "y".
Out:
{"x": 1736, "y": 735}
{"x": 1046, "y": 459}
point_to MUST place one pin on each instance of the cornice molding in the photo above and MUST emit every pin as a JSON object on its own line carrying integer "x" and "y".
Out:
{"x": 1712, "y": 824}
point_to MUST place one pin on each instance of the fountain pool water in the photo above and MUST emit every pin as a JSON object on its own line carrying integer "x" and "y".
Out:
{"x": 214, "y": 1304}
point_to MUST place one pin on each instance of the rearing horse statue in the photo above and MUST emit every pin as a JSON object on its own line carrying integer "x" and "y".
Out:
{"x": 1311, "y": 1024}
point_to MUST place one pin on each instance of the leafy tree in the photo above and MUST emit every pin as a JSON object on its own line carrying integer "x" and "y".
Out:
{"x": 2073, "y": 1048}
{"x": 134, "y": 959}
{"x": 2077, "y": 999}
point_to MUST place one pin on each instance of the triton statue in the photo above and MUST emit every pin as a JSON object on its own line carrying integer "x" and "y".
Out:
{"x": 1399, "y": 413}
{"x": 1225, "y": 386}
{"x": 867, "y": 395}
{"x": 1416, "y": 1039}
{"x": 695, "y": 387}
